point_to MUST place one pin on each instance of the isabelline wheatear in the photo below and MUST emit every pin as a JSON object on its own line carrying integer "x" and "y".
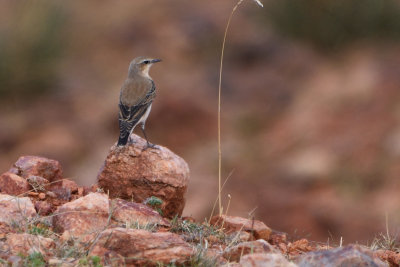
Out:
{"x": 136, "y": 97}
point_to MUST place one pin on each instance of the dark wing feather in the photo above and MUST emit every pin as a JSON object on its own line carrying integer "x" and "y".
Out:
{"x": 129, "y": 116}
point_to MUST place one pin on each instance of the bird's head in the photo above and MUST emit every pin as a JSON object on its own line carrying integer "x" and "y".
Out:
{"x": 141, "y": 66}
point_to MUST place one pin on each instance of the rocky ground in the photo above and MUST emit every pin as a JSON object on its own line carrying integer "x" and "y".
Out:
{"x": 312, "y": 137}
{"x": 132, "y": 217}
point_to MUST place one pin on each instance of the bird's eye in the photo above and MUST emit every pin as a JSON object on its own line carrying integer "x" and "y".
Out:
{"x": 146, "y": 62}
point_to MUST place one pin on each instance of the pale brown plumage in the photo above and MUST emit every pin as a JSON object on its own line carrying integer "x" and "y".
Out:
{"x": 136, "y": 97}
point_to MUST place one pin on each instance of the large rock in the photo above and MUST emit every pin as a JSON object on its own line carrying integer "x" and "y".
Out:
{"x": 38, "y": 166}
{"x": 233, "y": 223}
{"x": 16, "y": 210}
{"x": 135, "y": 247}
{"x": 129, "y": 212}
{"x": 83, "y": 217}
{"x": 259, "y": 246}
{"x": 352, "y": 255}
{"x": 27, "y": 244}
{"x": 13, "y": 184}
{"x": 263, "y": 260}
{"x": 133, "y": 172}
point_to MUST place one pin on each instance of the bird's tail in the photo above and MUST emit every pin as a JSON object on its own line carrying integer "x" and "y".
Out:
{"x": 122, "y": 140}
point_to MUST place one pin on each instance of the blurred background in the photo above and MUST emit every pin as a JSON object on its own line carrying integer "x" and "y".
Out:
{"x": 310, "y": 101}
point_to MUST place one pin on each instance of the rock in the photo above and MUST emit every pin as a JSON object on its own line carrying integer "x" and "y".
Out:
{"x": 69, "y": 184}
{"x": 125, "y": 211}
{"x": 141, "y": 248}
{"x": 299, "y": 246}
{"x": 80, "y": 191}
{"x": 60, "y": 193}
{"x": 82, "y": 217}
{"x": 351, "y": 255}
{"x": 259, "y": 246}
{"x": 55, "y": 262}
{"x": 91, "y": 189}
{"x": 393, "y": 258}
{"x": 39, "y": 166}
{"x": 213, "y": 256}
{"x": 277, "y": 238}
{"x": 38, "y": 183}
{"x": 233, "y": 223}
{"x": 51, "y": 194}
{"x": 14, "y": 261}
{"x": 262, "y": 260}
{"x": 43, "y": 207}
{"x": 232, "y": 264}
{"x": 42, "y": 196}
{"x": 5, "y": 229}
{"x": 242, "y": 236}
{"x": 13, "y": 184}
{"x": 16, "y": 210}
{"x": 131, "y": 172}
{"x": 26, "y": 244}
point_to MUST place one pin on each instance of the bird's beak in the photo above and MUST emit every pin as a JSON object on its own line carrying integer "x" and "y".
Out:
{"x": 155, "y": 60}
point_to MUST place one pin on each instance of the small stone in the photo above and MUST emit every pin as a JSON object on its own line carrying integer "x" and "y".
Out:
{"x": 277, "y": 238}
{"x": 299, "y": 246}
{"x": 133, "y": 172}
{"x": 61, "y": 193}
{"x": 15, "y": 260}
{"x": 43, "y": 207}
{"x": 242, "y": 236}
{"x": 39, "y": 166}
{"x": 351, "y": 255}
{"x": 262, "y": 260}
{"x": 51, "y": 194}
{"x": 214, "y": 254}
{"x": 38, "y": 183}
{"x": 90, "y": 189}
{"x": 259, "y": 246}
{"x": 42, "y": 196}
{"x": 233, "y": 223}
{"x": 283, "y": 248}
{"x": 393, "y": 258}
{"x": 55, "y": 261}
{"x": 80, "y": 191}
{"x": 71, "y": 185}
{"x": 13, "y": 184}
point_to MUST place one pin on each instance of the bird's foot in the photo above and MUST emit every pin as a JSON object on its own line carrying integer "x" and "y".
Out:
{"x": 150, "y": 145}
{"x": 131, "y": 141}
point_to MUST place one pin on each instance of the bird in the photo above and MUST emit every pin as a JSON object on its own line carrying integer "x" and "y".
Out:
{"x": 135, "y": 100}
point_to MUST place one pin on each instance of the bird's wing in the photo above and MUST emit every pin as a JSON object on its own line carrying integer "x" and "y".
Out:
{"x": 130, "y": 115}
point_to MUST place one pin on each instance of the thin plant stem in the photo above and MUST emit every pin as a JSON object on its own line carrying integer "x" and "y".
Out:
{"x": 216, "y": 200}
{"x": 219, "y": 101}
{"x": 219, "y": 106}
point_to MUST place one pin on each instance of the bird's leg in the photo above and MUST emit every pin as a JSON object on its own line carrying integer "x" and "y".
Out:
{"x": 149, "y": 145}
{"x": 130, "y": 140}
